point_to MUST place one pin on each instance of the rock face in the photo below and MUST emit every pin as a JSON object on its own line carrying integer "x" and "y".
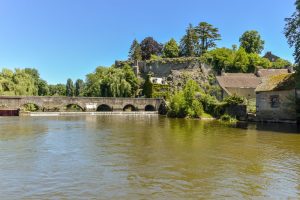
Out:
{"x": 176, "y": 71}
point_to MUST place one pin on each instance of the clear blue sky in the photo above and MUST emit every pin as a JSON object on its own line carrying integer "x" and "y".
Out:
{"x": 70, "y": 38}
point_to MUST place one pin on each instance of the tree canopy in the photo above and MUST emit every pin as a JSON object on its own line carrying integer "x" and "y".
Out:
{"x": 251, "y": 41}
{"x": 135, "y": 52}
{"x": 149, "y": 47}
{"x": 171, "y": 49}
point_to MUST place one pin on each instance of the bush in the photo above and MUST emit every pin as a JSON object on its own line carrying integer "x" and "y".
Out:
{"x": 234, "y": 100}
{"x": 228, "y": 118}
{"x": 184, "y": 103}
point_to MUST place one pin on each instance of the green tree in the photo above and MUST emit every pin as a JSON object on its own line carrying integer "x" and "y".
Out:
{"x": 281, "y": 63}
{"x": 57, "y": 90}
{"x": 207, "y": 36}
{"x": 171, "y": 49}
{"x": 185, "y": 103}
{"x": 135, "y": 52}
{"x": 188, "y": 43}
{"x": 24, "y": 83}
{"x": 69, "y": 88}
{"x": 148, "y": 87}
{"x": 221, "y": 59}
{"x": 150, "y": 47}
{"x": 251, "y": 41}
{"x": 79, "y": 88}
{"x": 240, "y": 62}
{"x": 43, "y": 88}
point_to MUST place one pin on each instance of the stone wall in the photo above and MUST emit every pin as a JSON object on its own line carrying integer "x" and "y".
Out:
{"x": 87, "y": 104}
{"x": 285, "y": 110}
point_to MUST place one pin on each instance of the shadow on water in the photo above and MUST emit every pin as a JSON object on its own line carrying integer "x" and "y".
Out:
{"x": 270, "y": 127}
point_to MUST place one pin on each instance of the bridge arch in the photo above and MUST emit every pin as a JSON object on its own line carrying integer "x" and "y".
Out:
{"x": 74, "y": 107}
{"x": 30, "y": 107}
{"x": 150, "y": 108}
{"x": 129, "y": 108}
{"x": 104, "y": 108}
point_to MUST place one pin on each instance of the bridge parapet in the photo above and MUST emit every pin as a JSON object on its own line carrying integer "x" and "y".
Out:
{"x": 91, "y": 104}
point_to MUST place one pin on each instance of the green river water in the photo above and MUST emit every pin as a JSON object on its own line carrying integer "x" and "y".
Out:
{"x": 146, "y": 157}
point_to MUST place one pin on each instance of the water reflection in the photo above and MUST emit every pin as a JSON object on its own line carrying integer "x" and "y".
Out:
{"x": 144, "y": 157}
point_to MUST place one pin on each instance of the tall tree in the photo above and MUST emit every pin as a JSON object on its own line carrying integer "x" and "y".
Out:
{"x": 57, "y": 90}
{"x": 171, "y": 49}
{"x": 135, "y": 52}
{"x": 43, "y": 88}
{"x": 150, "y": 47}
{"x": 188, "y": 43}
{"x": 79, "y": 88}
{"x": 207, "y": 36}
{"x": 251, "y": 41}
{"x": 69, "y": 88}
{"x": 292, "y": 33}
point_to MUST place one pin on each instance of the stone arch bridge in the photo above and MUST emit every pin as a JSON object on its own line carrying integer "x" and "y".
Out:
{"x": 88, "y": 104}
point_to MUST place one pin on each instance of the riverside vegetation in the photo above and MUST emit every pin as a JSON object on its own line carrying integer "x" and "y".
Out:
{"x": 193, "y": 101}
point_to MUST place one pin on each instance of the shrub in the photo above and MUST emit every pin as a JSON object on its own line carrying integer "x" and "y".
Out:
{"x": 228, "y": 118}
{"x": 234, "y": 100}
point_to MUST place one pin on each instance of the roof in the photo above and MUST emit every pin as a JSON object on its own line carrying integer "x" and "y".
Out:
{"x": 277, "y": 83}
{"x": 238, "y": 80}
{"x": 271, "y": 56}
{"x": 271, "y": 72}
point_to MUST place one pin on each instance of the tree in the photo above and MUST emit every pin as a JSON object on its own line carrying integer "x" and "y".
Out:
{"x": 281, "y": 63}
{"x": 148, "y": 87}
{"x": 171, "y": 49}
{"x": 188, "y": 43}
{"x": 79, "y": 88}
{"x": 57, "y": 90}
{"x": 69, "y": 88}
{"x": 251, "y": 41}
{"x": 221, "y": 59}
{"x": 240, "y": 62}
{"x": 135, "y": 52}
{"x": 150, "y": 47}
{"x": 207, "y": 36}
{"x": 43, "y": 88}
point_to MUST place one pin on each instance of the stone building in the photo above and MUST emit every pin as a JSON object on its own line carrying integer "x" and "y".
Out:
{"x": 275, "y": 99}
{"x": 241, "y": 84}
{"x": 271, "y": 57}
{"x": 244, "y": 84}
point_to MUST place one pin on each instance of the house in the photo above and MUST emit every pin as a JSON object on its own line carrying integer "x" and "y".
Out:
{"x": 271, "y": 57}
{"x": 241, "y": 84}
{"x": 157, "y": 80}
{"x": 244, "y": 84}
{"x": 275, "y": 98}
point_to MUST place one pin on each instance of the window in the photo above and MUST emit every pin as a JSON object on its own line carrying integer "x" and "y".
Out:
{"x": 275, "y": 103}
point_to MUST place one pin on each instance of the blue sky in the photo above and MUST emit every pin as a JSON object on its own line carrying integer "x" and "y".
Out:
{"x": 70, "y": 38}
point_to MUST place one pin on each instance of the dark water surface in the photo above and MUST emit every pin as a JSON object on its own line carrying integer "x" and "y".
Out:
{"x": 145, "y": 157}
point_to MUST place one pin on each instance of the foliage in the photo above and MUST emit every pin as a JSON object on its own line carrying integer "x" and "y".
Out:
{"x": 135, "y": 52}
{"x": 150, "y": 47}
{"x": 57, "y": 90}
{"x": 70, "y": 88}
{"x": 228, "y": 118}
{"x": 148, "y": 87}
{"x": 207, "y": 36}
{"x": 292, "y": 33}
{"x": 234, "y": 100}
{"x": 161, "y": 91}
{"x": 30, "y": 107}
{"x": 171, "y": 49}
{"x": 188, "y": 43}
{"x": 43, "y": 88}
{"x": 184, "y": 103}
{"x": 240, "y": 62}
{"x": 79, "y": 88}
{"x": 281, "y": 63}
{"x": 111, "y": 82}
{"x": 251, "y": 41}
{"x": 235, "y": 61}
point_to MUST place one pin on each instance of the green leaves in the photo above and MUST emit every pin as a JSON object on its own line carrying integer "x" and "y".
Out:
{"x": 251, "y": 41}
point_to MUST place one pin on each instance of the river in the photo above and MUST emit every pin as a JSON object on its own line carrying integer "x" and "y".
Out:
{"x": 146, "y": 157}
